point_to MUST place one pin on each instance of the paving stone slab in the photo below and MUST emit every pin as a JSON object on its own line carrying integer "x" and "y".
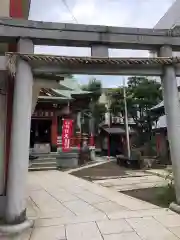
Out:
{"x": 49, "y": 233}
{"x": 91, "y": 198}
{"x": 44, "y": 222}
{"x": 169, "y": 220}
{"x": 80, "y": 207}
{"x": 62, "y": 195}
{"x": 109, "y": 207}
{"x": 114, "y": 226}
{"x": 83, "y": 231}
{"x": 150, "y": 229}
{"x": 175, "y": 230}
{"x": 141, "y": 213}
{"x": 24, "y": 236}
{"x": 122, "y": 236}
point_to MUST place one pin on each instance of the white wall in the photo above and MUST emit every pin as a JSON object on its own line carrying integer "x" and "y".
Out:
{"x": 171, "y": 17}
{"x": 4, "y": 9}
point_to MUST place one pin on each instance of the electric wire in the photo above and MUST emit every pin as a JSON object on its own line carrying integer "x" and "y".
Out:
{"x": 69, "y": 10}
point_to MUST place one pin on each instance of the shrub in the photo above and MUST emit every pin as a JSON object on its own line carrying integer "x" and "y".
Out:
{"x": 167, "y": 193}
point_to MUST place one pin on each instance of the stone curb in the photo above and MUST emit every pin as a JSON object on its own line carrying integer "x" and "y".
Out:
{"x": 175, "y": 207}
{"x": 159, "y": 175}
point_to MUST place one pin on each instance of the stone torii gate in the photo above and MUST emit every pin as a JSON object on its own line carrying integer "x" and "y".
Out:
{"x": 25, "y": 66}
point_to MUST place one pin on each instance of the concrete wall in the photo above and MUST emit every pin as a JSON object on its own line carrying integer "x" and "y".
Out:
{"x": 170, "y": 17}
{"x": 4, "y": 12}
{"x": 4, "y": 9}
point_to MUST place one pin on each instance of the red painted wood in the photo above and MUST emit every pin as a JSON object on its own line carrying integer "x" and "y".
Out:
{"x": 158, "y": 143}
{"x": 10, "y": 92}
{"x": 16, "y": 9}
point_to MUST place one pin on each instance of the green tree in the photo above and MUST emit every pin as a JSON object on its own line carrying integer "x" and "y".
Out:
{"x": 95, "y": 87}
{"x": 142, "y": 94}
{"x": 96, "y": 110}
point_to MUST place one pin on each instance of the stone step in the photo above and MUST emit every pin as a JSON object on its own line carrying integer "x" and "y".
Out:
{"x": 41, "y": 168}
{"x": 43, "y": 164}
{"x": 45, "y": 155}
{"x": 40, "y": 160}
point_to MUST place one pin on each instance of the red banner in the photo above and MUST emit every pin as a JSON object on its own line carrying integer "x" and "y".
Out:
{"x": 67, "y": 130}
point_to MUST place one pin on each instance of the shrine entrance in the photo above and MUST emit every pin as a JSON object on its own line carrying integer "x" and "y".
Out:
{"x": 40, "y": 132}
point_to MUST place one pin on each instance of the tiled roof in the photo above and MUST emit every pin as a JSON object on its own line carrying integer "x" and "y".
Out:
{"x": 160, "y": 105}
{"x": 54, "y": 99}
{"x": 75, "y": 88}
{"x": 116, "y": 130}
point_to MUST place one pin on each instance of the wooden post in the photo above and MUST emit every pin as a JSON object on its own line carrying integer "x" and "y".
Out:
{"x": 54, "y": 130}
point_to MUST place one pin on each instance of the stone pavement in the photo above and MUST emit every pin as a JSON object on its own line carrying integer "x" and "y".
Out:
{"x": 68, "y": 208}
{"x": 135, "y": 180}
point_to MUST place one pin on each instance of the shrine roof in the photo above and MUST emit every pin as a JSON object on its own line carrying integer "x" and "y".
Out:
{"x": 54, "y": 99}
{"x": 70, "y": 90}
{"x": 158, "y": 106}
{"x": 116, "y": 130}
{"x": 71, "y": 93}
{"x": 75, "y": 89}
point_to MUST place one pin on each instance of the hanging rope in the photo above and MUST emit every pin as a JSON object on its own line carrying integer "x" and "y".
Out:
{"x": 11, "y": 64}
{"x": 64, "y": 60}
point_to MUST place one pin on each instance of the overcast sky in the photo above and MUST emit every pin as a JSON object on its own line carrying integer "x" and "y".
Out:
{"x": 124, "y": 13}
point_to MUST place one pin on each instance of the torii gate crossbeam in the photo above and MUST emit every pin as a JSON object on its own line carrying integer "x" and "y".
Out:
{"x": 79, "y": 35}
{"x": 54, "y": 65}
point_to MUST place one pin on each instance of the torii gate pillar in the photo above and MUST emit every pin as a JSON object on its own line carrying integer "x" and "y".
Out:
{"x": 20, "y": 135}
{"x": 172, "y": 110}
{"x": 98, "y": 51}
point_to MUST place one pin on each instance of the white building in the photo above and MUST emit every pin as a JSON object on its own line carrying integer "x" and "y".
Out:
{"x": 170, "y": 18}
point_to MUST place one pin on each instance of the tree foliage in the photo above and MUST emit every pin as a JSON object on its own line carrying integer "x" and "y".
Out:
{"x": 142, "y": 94}
{"x": 95, "y": 87}
{"x": 96, "y": 109}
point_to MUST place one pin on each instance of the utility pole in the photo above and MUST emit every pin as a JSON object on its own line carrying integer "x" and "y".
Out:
{"x": 92, "y": 130}
{"x": 109, "y": 125}
{"x": 126, "y": 121}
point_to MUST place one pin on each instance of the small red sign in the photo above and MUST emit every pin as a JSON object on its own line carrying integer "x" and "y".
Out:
{"x": 66, "y": 134}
